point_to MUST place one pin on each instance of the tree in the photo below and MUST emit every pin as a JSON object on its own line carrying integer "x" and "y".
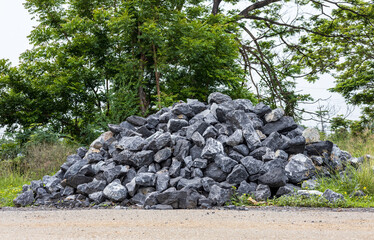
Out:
{"x": 110, "y": 56}
{"x": 110, "y": 59}
{"x": 349, "y": 55}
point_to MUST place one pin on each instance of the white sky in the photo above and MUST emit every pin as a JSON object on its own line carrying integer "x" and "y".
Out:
{"x": 16, "y": 25}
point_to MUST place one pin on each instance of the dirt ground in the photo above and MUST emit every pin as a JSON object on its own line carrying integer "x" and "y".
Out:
{"x": 256, "y": 223}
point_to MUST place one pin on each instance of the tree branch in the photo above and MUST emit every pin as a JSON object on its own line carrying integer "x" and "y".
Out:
{"x": 256, "y": 5}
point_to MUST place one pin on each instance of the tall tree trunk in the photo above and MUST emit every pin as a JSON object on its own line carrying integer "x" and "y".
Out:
{"x": 141, "y": 92}
{"x": 157, "y": 75}
{"x": 107, "y": 97}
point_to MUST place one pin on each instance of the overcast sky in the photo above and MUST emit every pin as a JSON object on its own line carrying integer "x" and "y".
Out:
{"x": 16, "y": 25}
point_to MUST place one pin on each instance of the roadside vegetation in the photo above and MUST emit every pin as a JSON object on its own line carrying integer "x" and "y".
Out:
{"x": 350, "y": 181}
{"x": 20, "y": 162}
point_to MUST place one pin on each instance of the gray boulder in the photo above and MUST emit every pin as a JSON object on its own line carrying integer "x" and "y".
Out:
{"x": 219, "y": 196}
{"x": 162, "y": 180}
{"x": 162, "y": 155}
{"x": 175, "y": 168}
{"x": 218, "y": 98}
{"x": 176, "y": 124}
{"x": 275, "y": 175}
{"x": 146, "y": 179}
{"x": 262, "y": 192}
{"x": 318, "y": 148}
{"x": 97, "y": 197}
{"x": 198, "y": 139}
{"x": 131, "y": 143}
{"x": 225, "y": 163}
{"x": 115, "y": 191}
{"x": 211, "y": 149}
{"x": 24, "y": 199}
{"x": 284, "y": 124}
{"x": 236, "y": 138}
{"x": 287, "y": 189}
{"x": 246, "y": 188}
{"x": 237, "y": 175}
{"x": 252, "y": 165}
{"x": 214, "y": 172}
{"x": 332, "y": 196}
{"x": 274, "y": 115}
{"x": 194, "y": 183}
{"x": 136, "y": 120}
{"x": 311, "y": 135}
{"x": 299, "y": 168}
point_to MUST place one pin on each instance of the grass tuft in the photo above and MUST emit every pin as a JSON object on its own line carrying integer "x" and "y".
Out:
{"x": 39, "y": 160}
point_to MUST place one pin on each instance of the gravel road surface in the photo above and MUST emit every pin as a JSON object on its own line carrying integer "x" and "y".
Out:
{"x": 256, "y": 223}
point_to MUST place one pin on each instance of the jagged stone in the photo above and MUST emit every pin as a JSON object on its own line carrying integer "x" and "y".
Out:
{"x": 152, "y": 121}
{"x": 284, "y": 124}
{"x": 311, "y": 135}
{"x": 196, "y": 106}
{"x": 176, "y": 124}
{"x": 175, "y": 168}
{"x": 274, "y": 115}
{"x": 262, "y": 192}
{"x": 261, "y": 109}
{"x": 198, "y": 139}
{"x": 287, "y": 189}
{"x": 218, "y": 195}
{"x": 115, "y": 191}
{"x": 242, "y": 149}
{"x": 252, "y": 165}
{"x": 294, "y": 145}
{"x": 146, "y": 179}
{"x": 24, "y": 199}
{"x": 218, "y": 98}
{"x": 319, "y": 148}
{"x": 225, "y": 163}
{"x": 136, "y": 120}
{"x": 162, "y": 155}
{"x": 162, "y": 180}
{"x": 246, "y": 188}
{"x": 197, "y": 172}
{"x": 268, "y": 156}
{"x": 236, "y": 138}
{"x": 195, "y": 152}
{"x": 299, "y": 168}
{"x": 184, "y": 109}
{"x": 237, "y": 175}
{"x": 275, "y": 175}
{"x": 194, "y": 183}
{"x": 200, "y": 163}
{"x": 181, "y": 149}
{"x": 210, "y": 132}
{"x": 131, "y": 143}
{"x": 214, "y": 172}
{"x": 142, "y": 158}
{"x": 332, "y": 196}
{"x": 211, "y": 149}
{"x": 274, "y": 141}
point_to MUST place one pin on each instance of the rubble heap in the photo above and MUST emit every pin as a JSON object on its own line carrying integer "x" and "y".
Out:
{"x": 190, "y": 155}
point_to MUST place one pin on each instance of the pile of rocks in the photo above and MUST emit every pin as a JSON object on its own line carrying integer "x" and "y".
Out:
{"x": 190, "y": 155}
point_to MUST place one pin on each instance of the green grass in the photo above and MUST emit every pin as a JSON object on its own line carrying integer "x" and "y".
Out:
{"x": 40, "y": 160}
{"x": 352, "y": 180}
{"x": 10, "y": 186}
{"x": 316, "y": 201}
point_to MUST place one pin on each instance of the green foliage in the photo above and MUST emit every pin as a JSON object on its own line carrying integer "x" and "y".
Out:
{"x": 38, "y": 159}
{"x": 10, "y": 187}
{"x": 97, "y": 62}
{"x": 345, "y": 48}
{"x": 316, "y": 201}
